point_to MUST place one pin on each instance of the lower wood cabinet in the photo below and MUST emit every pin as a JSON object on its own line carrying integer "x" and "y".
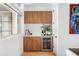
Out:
{"x": 32, "y": 43}
{"x": 27, "y": 43}
{"x": 36, "y": 43}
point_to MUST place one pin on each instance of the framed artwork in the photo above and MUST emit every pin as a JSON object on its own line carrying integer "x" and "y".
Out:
{"x": 74, "y": 19}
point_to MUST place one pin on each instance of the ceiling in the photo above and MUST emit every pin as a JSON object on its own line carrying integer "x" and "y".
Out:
{"x": 3, "y": 8}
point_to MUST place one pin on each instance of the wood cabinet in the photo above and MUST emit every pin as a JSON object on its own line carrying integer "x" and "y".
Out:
{"x": 32, "y": 43}
{"x": 36, "y": 43}
{"x": 28, "y": 17}
{"x": 27, "y": 43}
{"x": 44, "y": 17}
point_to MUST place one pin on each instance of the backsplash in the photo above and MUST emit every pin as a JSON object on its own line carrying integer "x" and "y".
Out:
{"x": 34, "y": 29}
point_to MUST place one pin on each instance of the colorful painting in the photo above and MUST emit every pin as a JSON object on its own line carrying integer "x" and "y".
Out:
{"x": 74, "y": 19}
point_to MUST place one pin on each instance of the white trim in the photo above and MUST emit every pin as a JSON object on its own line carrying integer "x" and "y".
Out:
{"x": 5, "y": 12}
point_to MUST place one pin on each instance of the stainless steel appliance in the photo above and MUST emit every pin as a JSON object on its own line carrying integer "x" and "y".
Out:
{"x": 47, "y": 44}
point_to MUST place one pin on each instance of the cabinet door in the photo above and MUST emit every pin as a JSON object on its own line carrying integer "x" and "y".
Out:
{"x": 28, "y": 18}
{"x": 32, "y": 17}
{"x": 36, "y": 44}
{"x": 49, "y": 17}
{"x": 35, "y": 17}
{"x": 46, "y": 17}
{"x": 27, "y": 44}
{"x": 25, "y": 17}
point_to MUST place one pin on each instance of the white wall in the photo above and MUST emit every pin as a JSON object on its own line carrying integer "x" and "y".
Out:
{"x": 35, "y": 29}
{"x": 55, "y": 27}
{"x": 65, "y": 40}
{"x": 21, "y": 23}
{"x": 38, "y": 7}
{"x": 11, "y": 46}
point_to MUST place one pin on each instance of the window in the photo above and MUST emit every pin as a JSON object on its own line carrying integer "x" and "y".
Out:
{"x": 8, "y": 22}
{"x": 5, "y": 24}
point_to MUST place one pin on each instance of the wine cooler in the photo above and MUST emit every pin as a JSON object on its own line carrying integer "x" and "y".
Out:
{"x": 47, "y": 44}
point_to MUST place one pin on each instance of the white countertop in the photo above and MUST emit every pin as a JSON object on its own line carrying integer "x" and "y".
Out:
{"x": 35, "y": 36}
{"x": 31, "y": 36}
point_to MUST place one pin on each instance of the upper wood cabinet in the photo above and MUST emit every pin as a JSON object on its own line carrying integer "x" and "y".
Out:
{"x": 41, "y": 17}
